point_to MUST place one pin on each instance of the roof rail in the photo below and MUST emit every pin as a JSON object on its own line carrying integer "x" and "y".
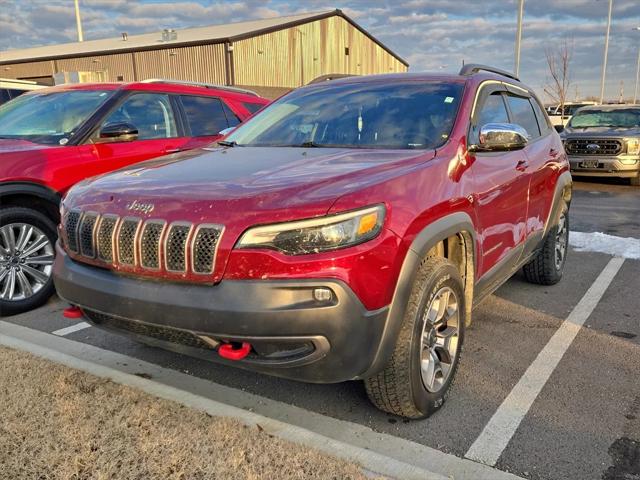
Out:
{"x": 330, "y": 76}
{"x": 471, "y": 68}
{"x": 201, "y": 84}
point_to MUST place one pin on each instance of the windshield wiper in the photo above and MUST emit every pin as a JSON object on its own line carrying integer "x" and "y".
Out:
{"x": 309, "y": 144}
{"x": 227, "y": 143}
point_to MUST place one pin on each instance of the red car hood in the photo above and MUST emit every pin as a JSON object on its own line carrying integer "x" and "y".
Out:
{"x": 9, "y": 145}
{"x": 246, "y": 185}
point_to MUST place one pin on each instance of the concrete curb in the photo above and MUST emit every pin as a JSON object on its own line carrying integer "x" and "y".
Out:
{"x": 376, "y": 452}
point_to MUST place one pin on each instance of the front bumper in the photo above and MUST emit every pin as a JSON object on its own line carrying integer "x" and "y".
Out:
{"x": 292, "y": 334}
{"x": 596, "y": 166}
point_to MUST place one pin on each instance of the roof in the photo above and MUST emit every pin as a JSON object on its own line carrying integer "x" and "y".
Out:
{"x": 228, "y": 32}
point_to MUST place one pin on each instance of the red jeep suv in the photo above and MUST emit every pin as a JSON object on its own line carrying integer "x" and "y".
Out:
{"x": 345, "y": 232}
{"x": 54, "y": 137}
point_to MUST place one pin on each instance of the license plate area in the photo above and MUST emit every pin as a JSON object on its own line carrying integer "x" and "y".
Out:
{"x": 589, "y": 164}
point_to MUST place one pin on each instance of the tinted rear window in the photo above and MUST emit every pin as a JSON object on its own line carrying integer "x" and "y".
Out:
{"x": 205, "y": 115}
{"x": 253, "y": 107}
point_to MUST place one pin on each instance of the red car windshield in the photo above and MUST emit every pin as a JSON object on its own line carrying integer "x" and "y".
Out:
{"x": 49, "y": 117}
{"x": 402, "y": 115}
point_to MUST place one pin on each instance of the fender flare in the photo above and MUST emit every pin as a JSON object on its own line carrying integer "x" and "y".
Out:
{"x": 561, "y": 196}
{"x": 32, "y": 189}
{"x": 433, "y": 233}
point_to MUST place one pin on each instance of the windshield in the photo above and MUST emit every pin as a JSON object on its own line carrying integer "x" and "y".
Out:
{"x": 49, "y": 118}
{"x": 401, "y": 115}
{"x": 622, "y": 118}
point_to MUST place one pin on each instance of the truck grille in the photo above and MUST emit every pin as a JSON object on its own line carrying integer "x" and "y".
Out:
{"x": 180, "y": 247}
{"x": 579, "y": 146}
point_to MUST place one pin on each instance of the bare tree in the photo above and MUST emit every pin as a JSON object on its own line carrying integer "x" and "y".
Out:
{"x": 558, "y": 61}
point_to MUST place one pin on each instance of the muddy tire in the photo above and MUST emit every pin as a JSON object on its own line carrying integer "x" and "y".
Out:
{"x": 547, "y": 266}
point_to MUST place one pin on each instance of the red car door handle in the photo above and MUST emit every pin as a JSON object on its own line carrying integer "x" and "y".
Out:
{"x": 522, "y": 165}
{"x": 172, "y": 150}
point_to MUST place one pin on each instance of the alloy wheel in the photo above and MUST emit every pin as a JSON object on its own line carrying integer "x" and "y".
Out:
{"x": 26, "y": 261}
{"x": 561, "y": 242}
{"x": 440, "y": 332}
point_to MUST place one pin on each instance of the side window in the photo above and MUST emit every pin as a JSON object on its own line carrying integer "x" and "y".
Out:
{"x": 493, "y": 110}
{"x": 542, "y": 118}
{"x": 150, "y": 113}
{"x": 205, "y": 115}
{"x": 4, "y": 95}
{"x": 232, "y": 118}
{"x": 252, "y": 107}
{"x": 13, "y": 93}
{"x": 523, "y": 115}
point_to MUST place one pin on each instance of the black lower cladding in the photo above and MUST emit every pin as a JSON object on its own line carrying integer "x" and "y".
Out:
{"x": 292, "y": 334}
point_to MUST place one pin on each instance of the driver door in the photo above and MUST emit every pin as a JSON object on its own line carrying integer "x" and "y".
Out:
{"x": 159, "y": 133}
{"x": 501, "y": 192}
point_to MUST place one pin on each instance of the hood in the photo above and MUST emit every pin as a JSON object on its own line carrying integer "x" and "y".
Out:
{"x": 10, "y": 145}
{"x": 600, "y": 132}
{"x": 258, "y": 184}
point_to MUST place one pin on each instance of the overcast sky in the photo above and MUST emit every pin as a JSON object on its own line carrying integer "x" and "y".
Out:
{"x": 430, "y": 34}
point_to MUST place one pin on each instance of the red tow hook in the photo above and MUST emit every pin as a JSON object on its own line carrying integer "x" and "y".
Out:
{"x": 72, "y": 312}
{"x": 228, "y": 351}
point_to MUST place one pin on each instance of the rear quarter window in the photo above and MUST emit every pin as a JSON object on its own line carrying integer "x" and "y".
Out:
{"x": 252, "y": 107}
{"x": 206, "y": 115}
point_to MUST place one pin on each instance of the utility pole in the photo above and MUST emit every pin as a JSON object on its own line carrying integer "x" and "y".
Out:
{"x": 519, "y": 38}
{"x": 635, "y": 93}
{"x": 606, "y": 52}
{"x": 78, "y": 21}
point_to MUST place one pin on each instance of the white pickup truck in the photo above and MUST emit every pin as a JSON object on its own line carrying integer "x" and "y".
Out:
{"x": 558, "y": 117}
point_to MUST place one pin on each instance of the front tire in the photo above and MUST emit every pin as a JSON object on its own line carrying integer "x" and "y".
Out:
{"x": 547, "y": 266}
{"x": 27, "y": 240}
{"x": 415, "y": 382}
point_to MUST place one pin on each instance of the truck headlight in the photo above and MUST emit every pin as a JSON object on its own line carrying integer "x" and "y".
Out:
{"x": 633, "y": 146}
{"x": 317, "y": 234}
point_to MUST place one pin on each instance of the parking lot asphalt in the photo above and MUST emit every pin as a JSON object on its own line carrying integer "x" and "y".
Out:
{"x": 582, "y": 424}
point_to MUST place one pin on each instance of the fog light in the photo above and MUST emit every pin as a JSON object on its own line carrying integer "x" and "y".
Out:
{"x": 322, "y": 294}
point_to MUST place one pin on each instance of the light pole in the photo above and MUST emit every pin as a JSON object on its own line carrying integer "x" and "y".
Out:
{"x": 519, "y": 37}
{"x": 78, "y": 21}
{"x": 606, "y": 52}
{"x": 635, "y": 92}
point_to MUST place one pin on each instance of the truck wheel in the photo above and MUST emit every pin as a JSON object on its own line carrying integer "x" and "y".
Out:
{"x": 635, "y": 181}
{"x": 547, "y": 266}
{"x": 27, "y": 240}
{"x": 416, "y": 380}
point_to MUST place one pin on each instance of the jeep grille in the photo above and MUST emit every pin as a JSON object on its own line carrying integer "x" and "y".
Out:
{"x": 580, "y": 146}
{"x": 180, "y": 247}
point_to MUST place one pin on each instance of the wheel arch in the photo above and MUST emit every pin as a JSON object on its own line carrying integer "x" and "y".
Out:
{"x": 453, "y": 237}
{"x": 26, "y": 194}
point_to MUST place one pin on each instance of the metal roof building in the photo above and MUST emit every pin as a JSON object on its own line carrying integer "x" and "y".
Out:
{"x": 270, "y": 55}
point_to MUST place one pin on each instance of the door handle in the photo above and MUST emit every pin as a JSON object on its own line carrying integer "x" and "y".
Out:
{"x": 522, "y": 165}
{"x": 172, "y": 150}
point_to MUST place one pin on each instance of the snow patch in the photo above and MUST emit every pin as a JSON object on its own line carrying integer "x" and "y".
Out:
{"x": 625, "y": 247}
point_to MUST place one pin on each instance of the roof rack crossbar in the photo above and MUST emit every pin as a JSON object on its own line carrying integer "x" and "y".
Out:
{"x": 201, "y": 84}
{"x": 471, "y": 68}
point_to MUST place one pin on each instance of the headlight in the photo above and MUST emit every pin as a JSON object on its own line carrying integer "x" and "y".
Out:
{"x": 317, "y": 234}
{"x": 633, "y": 146}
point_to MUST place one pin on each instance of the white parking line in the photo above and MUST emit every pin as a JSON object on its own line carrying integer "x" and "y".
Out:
{"x": 498, "y": 432}
{"x": 73, "y": 328}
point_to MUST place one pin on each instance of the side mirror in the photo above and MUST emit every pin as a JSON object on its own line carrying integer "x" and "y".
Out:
{"x": 500, "y": 137}
{"x": 118, "y": 132}
{"x": 559, "y": 128}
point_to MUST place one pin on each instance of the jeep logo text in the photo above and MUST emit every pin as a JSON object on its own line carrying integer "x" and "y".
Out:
{"x": 136, "y": 206}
